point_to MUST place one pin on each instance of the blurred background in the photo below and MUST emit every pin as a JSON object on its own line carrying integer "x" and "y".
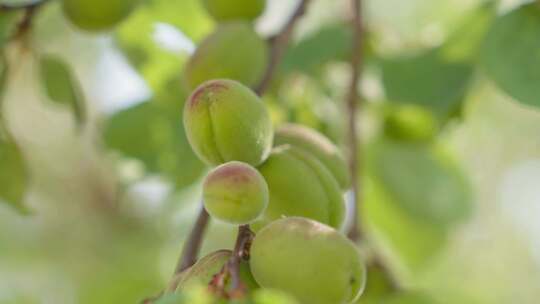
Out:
{"x": 95, "y": 207}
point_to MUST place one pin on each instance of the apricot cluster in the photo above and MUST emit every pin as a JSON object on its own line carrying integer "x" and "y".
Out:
{"x": 287, "y": 183}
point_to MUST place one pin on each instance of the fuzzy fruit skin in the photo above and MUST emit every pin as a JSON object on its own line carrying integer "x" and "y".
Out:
{"x": 300, "y": 185}
{"x": 308, "y": 260}
{"x": 204, "y": 270}
{"x": 233, "y": 51}
{"x": 225, "y": 10}
{"x": 235, "y": 193}
{"x": 97, "y": 15}
{"x": 226, "y": 121}
{"x": 317, "y": 145}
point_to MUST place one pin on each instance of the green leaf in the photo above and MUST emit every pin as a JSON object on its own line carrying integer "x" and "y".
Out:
{"x": 511, "y": 54}
{"x": 409, "y": 297}
{"x": 13, "y": 174}
{"x": 427, "y": 79}
{"x": 424, "y": 184}
{"x": 438, "y": 79}
{"x": 411, "y": 241}
{"x": 154, "y": 134}
{"x": 136, "y": 36}
{"x": 61, "y": 86}
{"x": 329, "y": 44}
{"x": 464, "y": 44}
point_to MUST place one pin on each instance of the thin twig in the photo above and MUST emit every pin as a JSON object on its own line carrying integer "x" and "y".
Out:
{"x": 190, "y": 252}
{"x": 279, "y": 45}
{"x": 353, "y": 101}
{"x": 356, "y": 233}
{"x": 193, "y": 243}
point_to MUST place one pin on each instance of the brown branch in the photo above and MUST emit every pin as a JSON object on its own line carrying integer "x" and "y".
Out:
{"x": 193, "y": 243}
{"x": 356, "y": 232}
{"x": 30, "y": 10}
{"x": 353, "y": 101}
{"x": 279, "y": 45}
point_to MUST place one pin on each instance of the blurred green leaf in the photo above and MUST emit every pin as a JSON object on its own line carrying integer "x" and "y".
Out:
{"x": 413, "y": 242}
{"x": 328, "y": 44}
{"x": 61, "y": 86}
{"x": 510, "y": 54}
{"x": 439, "y": 78}
{"x": 153, "y": 133}
{"x": 427, "y": 79}
{"x": 136, "y": 36}
{"x": 408, "y": 298}
{"x": 426, "y": 186}
{"x": 13, "y": 174}
{"x": 464, "y": 44}
{"x": 377, "y": 286}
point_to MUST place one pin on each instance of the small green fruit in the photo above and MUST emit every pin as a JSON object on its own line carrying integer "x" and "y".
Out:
{"x": 308, "y": 260}
{"x": 235, "y": 193}
{"x": 233, "y": 51}
{"x": 317, "y": 145}
{"x": 226, "y": 121}
{"x": 97, "y": 15}
{"x": 410, "y": 123}
{"x": 224, "y": 10}
{"x": 300, "y": 185}
{"x": 207, "y": 267}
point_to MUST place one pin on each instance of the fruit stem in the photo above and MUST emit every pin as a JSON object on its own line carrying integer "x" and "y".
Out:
{"x": 231, "y": 270}
{"x": 353, "y": 101}
{"x": 279, "y": 45}
{"x": 241, "y": 251}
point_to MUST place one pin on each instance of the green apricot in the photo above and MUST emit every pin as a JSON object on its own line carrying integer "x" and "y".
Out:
{"x": 308, "y": 260}
{"x": 233, "y": 51}
{"x": 207, "y": 267}
{"x": 410, "y": 123}
{"x": 317, "y": 145}
{"x": 226, "y": 121}
{"x": 235, "y": 193}
{"x": 224, "y": 10}
{"x": 97, "y": 15}
{"x": 300, "y": 185}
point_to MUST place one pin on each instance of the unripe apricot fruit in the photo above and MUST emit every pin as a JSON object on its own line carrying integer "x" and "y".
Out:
{"x": 224, "y": 10}
{"x": 300, "y": 185}
{"x": 226, "y": 121}
{"x": 207, "y": 267}
{"x": 410, "y": 123}
{"x": 97, "y": 15}
{"x": 233, "y": 51}
{"x": 309, "y": 260}
{"x": 235, "y": 193}
{"x": 317, "y": 145}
